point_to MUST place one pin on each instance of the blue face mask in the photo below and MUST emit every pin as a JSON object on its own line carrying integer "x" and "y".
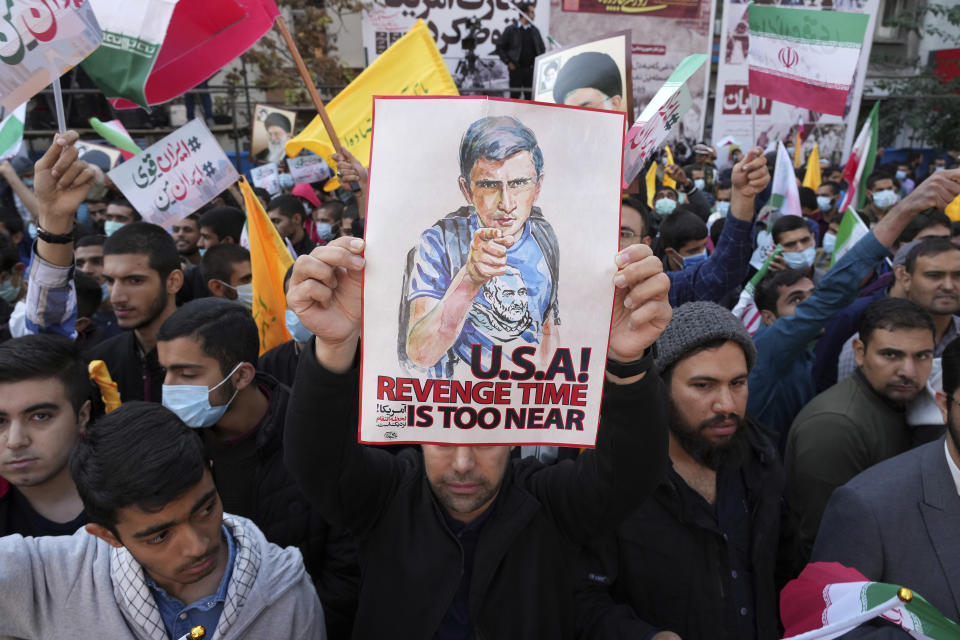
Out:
{"x": 104, "y": 292}
{"x": 191, "y": 402}
{"x": 285, "y": 180}
{"x": 824, "y": 203}
{"x": 901, "y": 175}
{"x": 723, "y": 207}
{"x": 8, "y": 292}
{"x": 244, "y": 293}
{"x": 110, "y": 227}
{"x": 201, "y": 252}
{"x": 700, "y": 183}
{"x": 299, "y": 332}
{"x": 829, "y": 242}
{"x": 885, "y": 199}
{"x": 800, "y": 259}
{"x": 690, "y": 262}
{"x": 665, "y": 206}
{"x": 324, "y": 230}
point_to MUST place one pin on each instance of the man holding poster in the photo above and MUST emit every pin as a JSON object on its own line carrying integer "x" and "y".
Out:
{"x": 462, "y": 541}
{"x": 487, "y": 273}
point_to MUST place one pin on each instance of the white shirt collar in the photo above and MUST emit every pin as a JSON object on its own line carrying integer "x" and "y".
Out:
{"x": 954, "y": 470}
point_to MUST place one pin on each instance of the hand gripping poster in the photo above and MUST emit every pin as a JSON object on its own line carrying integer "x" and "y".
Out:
{"x": 492, "y": 227}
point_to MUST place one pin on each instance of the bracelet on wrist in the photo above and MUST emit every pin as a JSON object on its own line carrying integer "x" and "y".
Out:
{"x": 57, "y": 238}
{"x": 634, "y": 368}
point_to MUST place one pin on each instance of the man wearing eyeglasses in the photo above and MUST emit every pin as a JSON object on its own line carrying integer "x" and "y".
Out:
{"x": 498, "y": 245}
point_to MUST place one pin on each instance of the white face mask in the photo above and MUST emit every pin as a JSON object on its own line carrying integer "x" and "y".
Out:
{"x": 244, "y": 293}
{"x": 829, "y": 242}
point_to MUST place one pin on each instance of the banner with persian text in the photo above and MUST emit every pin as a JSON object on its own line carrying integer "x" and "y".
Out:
{"x": 662, "y": 35}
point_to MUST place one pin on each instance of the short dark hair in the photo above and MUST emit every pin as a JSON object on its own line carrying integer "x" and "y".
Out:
{"x": 891, "y": 314}
{"x": 716, "y": 229}
{"x": 768, "y": 291}
{"x": 287, "y": 205}
{"x": 808, "y": 198}
{"x": 955, "y": 229}
{"x": 9, "y": 256}
{"x": 877, "y": 176}
{"x": 217, "y": 263}
{"x": 11, "y": 221}
{"x": 681, "y": 227}
{"x": 89, "y": 294}
{"x": 787, "y": 223}
{"x": 146, "y": 239}
{"x": 139, "y": 455}
{"x": 335, "y": 207}
{"x": 933, "y": 246}
{"x": 834, "y": 187}
{"x": 225, "y": 329}
{"x": 225, "y": 222}
{"x": 497, "y": 138}
{"x": 634, "y": 201}
{"x": 90, "y": 240}
{"x": 46, "y": 355}
{"x": 951, "y": 367}
{"x": 924, "y": 220}
{"x": 260, "y": 192}
{"x": 120, "y": 201}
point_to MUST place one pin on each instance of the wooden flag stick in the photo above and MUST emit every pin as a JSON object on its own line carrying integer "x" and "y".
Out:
{"x": 308, "y": 81}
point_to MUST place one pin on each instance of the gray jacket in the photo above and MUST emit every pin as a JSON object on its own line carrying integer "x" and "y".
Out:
{"x": 897, "y": 522}
{"x": 80, "y": 587}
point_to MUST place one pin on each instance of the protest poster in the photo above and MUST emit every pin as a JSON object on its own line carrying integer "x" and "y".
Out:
{"x": 271, "y": 129}
{"x": 525, "y": 361}
{"x": 98, "y": 154}
{"x": 732, "y": 117}
{"x": 662, "y": 35}
{"x": 307, "y": 169}
{"x": 176, "y": 176}
{"x": 267, "y": 176}
{"x": 593, "y": 74}
{"x": 659, "y": 118}
{"x": 39, "y": 42}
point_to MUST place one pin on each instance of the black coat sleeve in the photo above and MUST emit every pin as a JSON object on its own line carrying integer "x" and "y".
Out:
{"x": 349, "y": 483}
{"x": 598, "y": 490}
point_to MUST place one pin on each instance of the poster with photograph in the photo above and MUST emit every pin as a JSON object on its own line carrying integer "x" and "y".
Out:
{"x": 272, "y": 127}
{"x": 98, "y": 154}
{"x": 267, "y": 176}
{"x": 307, "y": 169}
{"x": 593, "y": 74}
{"x": 485, "y": 314}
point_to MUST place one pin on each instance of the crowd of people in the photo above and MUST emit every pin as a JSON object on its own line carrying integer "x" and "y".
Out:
{"x": 217, "y": 487}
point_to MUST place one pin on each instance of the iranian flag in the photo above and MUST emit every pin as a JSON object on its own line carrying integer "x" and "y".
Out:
{"x": 11, "y": 132}
{"x": 805, "y": 57}
{"x": 785, "y": 196}
{"x": 828, "y": 600}
{"x": 860, "y": 163}
{"x": 852, "y": 228}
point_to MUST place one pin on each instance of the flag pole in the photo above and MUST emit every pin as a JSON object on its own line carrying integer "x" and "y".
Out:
{"x": 311, "y": 89}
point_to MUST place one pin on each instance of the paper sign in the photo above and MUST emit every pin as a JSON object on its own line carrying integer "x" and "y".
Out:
{"x": 41, "y": 40}
{"x": 98, "y": 154}
{"x": 176, "y": 176}
{"x": 525, "y": 362}
{"x": 266, "y": 176}
{"x": 307, "y": 169}
{"x": 659, "y": 118}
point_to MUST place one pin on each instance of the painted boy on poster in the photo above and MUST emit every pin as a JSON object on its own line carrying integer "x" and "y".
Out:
{"x": 487, "y": 273}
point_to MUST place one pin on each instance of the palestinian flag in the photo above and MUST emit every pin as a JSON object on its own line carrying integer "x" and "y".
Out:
{"x": 785, "y": 196}
{"x": 860, "y": 164}
{"x": 805, "y": 57}
{"x": 828, "y": 600}
{"x": 11, "y": 132}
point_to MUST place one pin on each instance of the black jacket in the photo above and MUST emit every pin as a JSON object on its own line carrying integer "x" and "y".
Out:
{"x": 523, "y": 577}
{"x": 667, "y": 568}
{"x": 510, "y": 44}
{"x": 138, "y": 376}
{"x": 287, "y": 519}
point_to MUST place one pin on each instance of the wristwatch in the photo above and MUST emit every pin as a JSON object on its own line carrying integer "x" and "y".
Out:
{"x": 634, "y": 368}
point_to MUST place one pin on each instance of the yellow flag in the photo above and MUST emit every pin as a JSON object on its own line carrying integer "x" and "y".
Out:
{"x": 651, "y": 183}
{"x": 797, "y": 151}
{"x": 98, "y": 372}
{"x": 953, "y": 210}
{"x": 412, "y": 66}
{"x": 812, "y": 177}
{"x": 269, "y": 261}
{"x": 667, "y": 180}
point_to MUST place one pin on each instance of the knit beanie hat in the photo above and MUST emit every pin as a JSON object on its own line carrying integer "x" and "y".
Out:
{"x": 695, "y": 324}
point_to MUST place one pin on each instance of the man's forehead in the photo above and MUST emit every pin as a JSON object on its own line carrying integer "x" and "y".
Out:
{"x": 884, "y": 183}
{"x": 17, "y": 396}
{"x": 177, "y": 510}
{"x": 804, "y": 285}
{"x": 521, "y": 161}
{"x": 119, "y": 264}
{"x": 724, "y": 362}
{"x": 184, "y": 350}
{"x": 912, "y": 339}
{"x": 89, "y": 251}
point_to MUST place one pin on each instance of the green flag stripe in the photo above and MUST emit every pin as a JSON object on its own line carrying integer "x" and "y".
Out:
{"x": 873, "y": 120}
{"x": 11, "y": 133}
{"x": 837, "y": 28}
